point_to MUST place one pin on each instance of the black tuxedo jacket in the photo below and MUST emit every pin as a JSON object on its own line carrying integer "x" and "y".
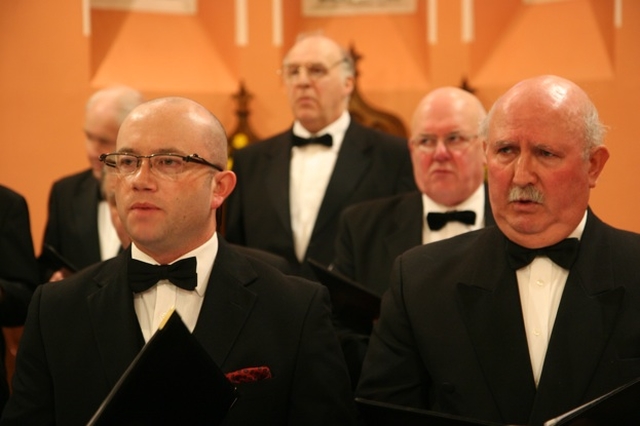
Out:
{"x": 81, "y": 334}
{"x": 72, "y": 225}
{"x": 372, "y": 234}
{"x": 451, "y": 335}
{"x": 370, "y": 165}
{"x": 18, "y": 269}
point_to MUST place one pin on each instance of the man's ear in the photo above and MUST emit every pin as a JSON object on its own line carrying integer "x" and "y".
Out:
{"x": 597, "y": 160}
{"x": 225, "y": 183}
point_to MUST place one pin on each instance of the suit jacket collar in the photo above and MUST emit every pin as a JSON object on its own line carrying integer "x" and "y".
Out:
{"x": 352, "y": 162}
{"x": 115, "y": 324}
{"x": 490, "y": 306}
{"x": 227, "y": 305}
{"x": 407, "y": 223}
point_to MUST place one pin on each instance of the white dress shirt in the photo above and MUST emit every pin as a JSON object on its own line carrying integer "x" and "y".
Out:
{"x": 310, "y": 172}
{"x": 474, "y": 203}
{"x": 109, "y": 242}
{"x": 541, "y": 284}
{"x": 152, "y": 305}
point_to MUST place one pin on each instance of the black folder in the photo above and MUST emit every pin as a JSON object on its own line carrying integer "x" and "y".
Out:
{"x": 172, "y": 380}
{"x": 53, "y": 260}
{"x": 353, "y": 304}
{"x": 375, "y": 413}
{"x": 620, "y": 407}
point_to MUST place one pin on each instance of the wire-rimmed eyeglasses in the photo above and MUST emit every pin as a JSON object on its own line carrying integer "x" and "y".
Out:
{"x": 165, "y": 164}
{"x": 314, "y": 70}
{"x": 453, "y": 142}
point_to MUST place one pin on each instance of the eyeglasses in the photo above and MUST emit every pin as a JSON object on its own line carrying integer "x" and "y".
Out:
{"x": 315, "y": 70}
{"x": 453, "y": 142}
{"x": 169, "y": 164}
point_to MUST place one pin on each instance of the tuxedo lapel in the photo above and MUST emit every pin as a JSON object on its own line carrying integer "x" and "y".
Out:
{"x": 227, "y": 303}
{"x": 114, "y": 321}
{"x": 352, "y": 163}
{"x": 277, "y": 180}
{"x": 584, "y": 323}
{"x": 490, "y": 306}
{"x": 408, "y": 226}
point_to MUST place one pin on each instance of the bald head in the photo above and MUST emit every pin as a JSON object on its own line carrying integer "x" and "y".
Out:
{"x": 552, "y": 96}
{"x": 448, "y": 175}
{"x": 450, "y": 102}
{"x": 104, "y": 112}
{"x": 178, "y": 119}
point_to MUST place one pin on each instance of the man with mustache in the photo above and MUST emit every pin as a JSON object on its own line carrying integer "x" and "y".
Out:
{"x": 293, "y": 186}
{"x": 489, "y": 325}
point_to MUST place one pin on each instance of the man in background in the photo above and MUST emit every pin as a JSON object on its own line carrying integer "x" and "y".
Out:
{"x": 79, "y": 225}
{"x": 448, "y": 168}
{"x": 520, "y": 322}
{"x": 293, "y": 186}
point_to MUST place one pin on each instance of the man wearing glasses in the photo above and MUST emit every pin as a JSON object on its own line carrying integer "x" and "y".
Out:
{"x": 83, "y": 332}
{"x": 448, "y": 167}
{"x": 293, "y": 186}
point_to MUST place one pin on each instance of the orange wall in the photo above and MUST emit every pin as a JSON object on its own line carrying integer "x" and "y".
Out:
{"x": 48, "y": 68}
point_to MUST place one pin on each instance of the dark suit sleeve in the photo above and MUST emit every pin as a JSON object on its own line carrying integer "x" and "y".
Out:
{"x": 393, "y": 370}
{"x": 18, "y": 267}
{"x": 31, "y": 402}
{"x": 321, "y": 384}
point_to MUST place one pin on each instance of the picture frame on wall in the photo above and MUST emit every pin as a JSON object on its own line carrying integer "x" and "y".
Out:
{"x": 356, "y": 7}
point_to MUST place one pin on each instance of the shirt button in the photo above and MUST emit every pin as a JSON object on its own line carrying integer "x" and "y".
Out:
{"x": 540, "y": 283}
{"x": 536, "y": 331}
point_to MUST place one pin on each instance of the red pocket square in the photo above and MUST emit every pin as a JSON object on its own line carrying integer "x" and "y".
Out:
{"x": 249, "y": 374}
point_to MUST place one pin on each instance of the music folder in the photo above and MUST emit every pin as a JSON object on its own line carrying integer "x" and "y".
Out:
{"x": 376, "y": 413}
{"x": 352, "y": 304}
{"x": 620, "y": 407}
{"x": 172, "y": 380}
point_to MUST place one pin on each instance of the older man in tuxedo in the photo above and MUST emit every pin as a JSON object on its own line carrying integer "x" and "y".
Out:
{"x": 523, "y": 321}
{"x": 79, "y": 225}
{"x": 448, "y": 167}
{"x": 81, "y": 333}
{"x": 293, "y": 186}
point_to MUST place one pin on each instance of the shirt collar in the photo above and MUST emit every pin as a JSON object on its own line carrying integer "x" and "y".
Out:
{"x": 336, "y": 129}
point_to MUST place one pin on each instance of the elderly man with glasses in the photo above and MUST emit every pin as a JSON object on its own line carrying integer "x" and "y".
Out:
{"x": 293, "y": 186}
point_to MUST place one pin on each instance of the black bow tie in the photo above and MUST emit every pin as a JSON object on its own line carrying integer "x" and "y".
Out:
{"x": 437, "y": 221}
{"x": 143, "y": 276}
{"x": 562, "y": 254}
{"x": 325, "y": 140}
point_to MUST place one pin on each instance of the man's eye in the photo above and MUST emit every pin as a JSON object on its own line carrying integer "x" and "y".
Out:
{"x": 316, "y": 70}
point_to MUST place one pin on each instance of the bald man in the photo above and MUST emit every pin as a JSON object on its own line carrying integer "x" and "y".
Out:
{"x": 292, "y": 187}
{"x": 79, "y": 225}
{"x": 523, "y": 321}
{"x": 82, "y": 333}
{"x": 448, "y": 168}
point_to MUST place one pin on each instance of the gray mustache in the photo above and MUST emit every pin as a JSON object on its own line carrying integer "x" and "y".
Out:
{"x": 526, "y": 193}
